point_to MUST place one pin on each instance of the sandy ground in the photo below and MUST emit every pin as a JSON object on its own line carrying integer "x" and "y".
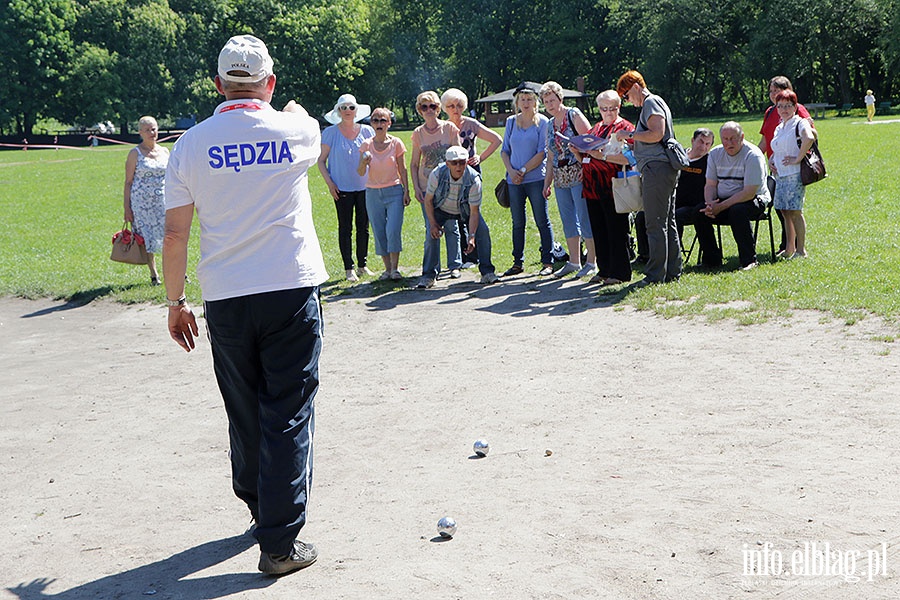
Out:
{"x": 632, "y": 457}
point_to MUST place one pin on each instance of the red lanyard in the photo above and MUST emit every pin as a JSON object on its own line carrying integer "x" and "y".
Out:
{"x": 247, "y": 105}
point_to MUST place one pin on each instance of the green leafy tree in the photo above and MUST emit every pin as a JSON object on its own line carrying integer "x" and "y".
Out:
{"x": 35, "y": 49}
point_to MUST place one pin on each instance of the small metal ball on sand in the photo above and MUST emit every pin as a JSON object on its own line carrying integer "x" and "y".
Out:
{"x": 447, "y": 527}
{"x": 481, "y": 448}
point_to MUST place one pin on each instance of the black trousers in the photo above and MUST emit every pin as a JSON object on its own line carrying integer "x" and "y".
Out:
{"x": 739, "y": 217}
{"x": 346, "y": 204}
{"x": 265, "y": 350}
{"x": 611, "y": 231}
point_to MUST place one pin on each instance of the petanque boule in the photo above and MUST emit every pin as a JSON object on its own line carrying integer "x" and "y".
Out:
{"x": 481, "y": 448}
{"x": 447, "y": 527}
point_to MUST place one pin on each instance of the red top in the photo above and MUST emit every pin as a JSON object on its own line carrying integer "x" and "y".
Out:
{"x": 771, "y": 121}
{"x": 598, "y": 174}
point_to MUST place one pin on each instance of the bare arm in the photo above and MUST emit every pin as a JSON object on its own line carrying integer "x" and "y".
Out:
{"x": 181, "y": 322}
{"x": 404, "y": 181}
{"x": 323, "y": 169}
{"x": 494, "y": 141}
{"x": 414, "y": 160}
{"x": 130, "y": 166}
{"x": 656, "y": 130}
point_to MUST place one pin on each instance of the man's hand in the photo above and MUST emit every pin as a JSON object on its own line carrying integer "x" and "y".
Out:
{"x": 183, "y": 326}
{"x": 436, "y": 231}
{"x": 712, "y": 209}
{"x": 471, "y": 247}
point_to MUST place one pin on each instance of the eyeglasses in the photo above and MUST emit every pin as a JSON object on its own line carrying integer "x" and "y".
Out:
{"x": 347, "y": 107}
{"x": 456, "y": 163}
{"x": 784, "y": 106}
{"x": 608, "y": 108}
{"x": 381, "y": 120}
{"x": 428, "y": 107}
{"x": 454, "y": 106}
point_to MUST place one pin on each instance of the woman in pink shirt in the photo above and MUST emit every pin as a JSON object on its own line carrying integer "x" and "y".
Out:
{"x": 387, "y": 190}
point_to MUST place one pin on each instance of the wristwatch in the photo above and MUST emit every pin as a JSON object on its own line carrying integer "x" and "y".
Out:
{"x": 173, "y": 303}
{"x": 630, "y": 135}
{"x": 522, "y": 170}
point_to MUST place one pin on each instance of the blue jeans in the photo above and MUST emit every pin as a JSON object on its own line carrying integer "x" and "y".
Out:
{"x": 534, "y": 191}
{"x": 573, "y": 212}
{"x": 385, "y": 208}
{"x": 482, "y": 246}
{"x": 265, "y": 350}
{"x": 431, "y": 259}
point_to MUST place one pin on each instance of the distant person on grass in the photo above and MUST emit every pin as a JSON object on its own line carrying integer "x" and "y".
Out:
{"x": 245, "y": 172}
{"x": 145, "y": 199}
{"x": 870, "y": 105}
{"x": 735, "y": 194}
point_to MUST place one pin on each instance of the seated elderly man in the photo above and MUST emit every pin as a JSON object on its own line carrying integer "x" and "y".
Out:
{"x": 735, "y": 194}
{"x": 454, "y": 190}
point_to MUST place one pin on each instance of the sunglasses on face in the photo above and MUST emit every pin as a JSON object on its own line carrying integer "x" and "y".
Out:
{"x": 381, "y": 120}
{"x": 428, "y": 107}
{"x": 347, "y": 107}
{"x": 456, "y": 163}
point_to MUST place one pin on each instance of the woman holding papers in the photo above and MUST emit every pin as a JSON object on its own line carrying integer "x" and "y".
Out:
{"x": 599, "y": 170}
{"x": 564, "y": 173}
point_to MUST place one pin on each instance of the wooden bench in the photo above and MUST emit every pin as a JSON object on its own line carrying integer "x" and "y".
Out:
{"x": 817, "y": 109}
{"x": 844, "y": 109}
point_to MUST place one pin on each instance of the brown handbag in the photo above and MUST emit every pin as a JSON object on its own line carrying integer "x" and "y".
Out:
{"x": 128, "y": 247}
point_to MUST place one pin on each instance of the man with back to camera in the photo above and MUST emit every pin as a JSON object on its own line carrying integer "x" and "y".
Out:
{"x": 735, "y": 193}
{"x": 244, "y": 171}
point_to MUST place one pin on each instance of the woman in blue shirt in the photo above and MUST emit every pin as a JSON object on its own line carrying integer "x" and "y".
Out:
{"x": 525, "y": 158}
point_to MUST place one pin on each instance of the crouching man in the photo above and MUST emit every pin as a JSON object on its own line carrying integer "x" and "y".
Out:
{"x": 454, "y": 189}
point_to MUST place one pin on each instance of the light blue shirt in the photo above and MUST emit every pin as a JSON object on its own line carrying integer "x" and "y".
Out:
{"x": 522, "y": 144}
{"x": 343, "y": 157}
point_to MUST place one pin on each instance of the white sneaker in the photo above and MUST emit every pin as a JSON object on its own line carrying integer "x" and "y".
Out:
{"x": 351, "y": 275}
{"x": 467, "y": 265}
{"x": 565, "y": 270}
{"x": 455, "y": 274}
{"x": 489, "y": 278}
{"x": 364, "y": 271}
{"x": 587, "y": 269}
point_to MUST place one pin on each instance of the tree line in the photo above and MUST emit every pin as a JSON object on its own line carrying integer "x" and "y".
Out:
{"x": 84, "y": 61}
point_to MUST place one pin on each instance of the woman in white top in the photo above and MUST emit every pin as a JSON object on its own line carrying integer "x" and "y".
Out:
{"x": 785, "y": 164}
{"x": 455, "y": 103}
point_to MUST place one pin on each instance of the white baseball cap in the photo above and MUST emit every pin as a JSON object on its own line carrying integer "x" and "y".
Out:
{"x": 248, "y": 54}
{"x": 456, "y": 153}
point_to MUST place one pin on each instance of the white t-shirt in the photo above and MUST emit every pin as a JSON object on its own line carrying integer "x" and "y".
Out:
{"x": 784, "y": 143}
{"x": 245, "y": 171}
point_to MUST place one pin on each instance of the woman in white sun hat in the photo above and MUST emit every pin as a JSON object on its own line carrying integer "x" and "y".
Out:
{"x": 337, "y": 163}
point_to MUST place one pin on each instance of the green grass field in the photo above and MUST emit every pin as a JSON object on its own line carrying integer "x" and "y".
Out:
{"x": 61, "y": 207}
